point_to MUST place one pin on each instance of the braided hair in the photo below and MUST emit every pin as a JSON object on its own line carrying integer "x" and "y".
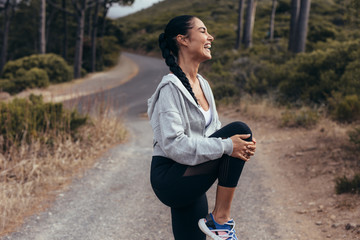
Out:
{"x": 170, "y": 50}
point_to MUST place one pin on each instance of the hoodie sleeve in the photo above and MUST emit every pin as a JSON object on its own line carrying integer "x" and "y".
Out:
{"x": 176, "y": 144}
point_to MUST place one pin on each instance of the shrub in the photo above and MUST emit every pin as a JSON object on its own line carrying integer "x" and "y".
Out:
{"x": 304, "y": 118}
{"x": 256, "y": 76}
{"x": 313, "y": 77}
{"x": 224, "y": 90}
{"x": 354, "y": 137}
{"x": 350, "y": 78}
{"x": 22, "y": 120}
{"x": 111, "y": 51}
{"x": 345, "y": 185}
{"x": 33, "y": 78}
{"x": 345, "y": 109}
{"x": 54, "y": 65}
{"x": 320, "y": 31}
{"x": 107, "y": 53}
{"x": 36, "y": 77}
{"x": 6, "y": 85}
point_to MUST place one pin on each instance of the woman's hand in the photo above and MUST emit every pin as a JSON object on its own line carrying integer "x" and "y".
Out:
{"x": 241, "y": 148}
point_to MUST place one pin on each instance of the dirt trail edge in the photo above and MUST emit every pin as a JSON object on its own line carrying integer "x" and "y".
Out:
{"x": 114, "y": 199}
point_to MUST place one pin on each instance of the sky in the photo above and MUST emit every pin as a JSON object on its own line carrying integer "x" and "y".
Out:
{"x": 120, "y": 11}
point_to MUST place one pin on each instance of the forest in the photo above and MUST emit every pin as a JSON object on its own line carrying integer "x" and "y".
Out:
{"x": 78, "y": 32}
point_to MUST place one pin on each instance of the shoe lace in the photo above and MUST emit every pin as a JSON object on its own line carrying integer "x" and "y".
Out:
{"x": 230, "y": 234}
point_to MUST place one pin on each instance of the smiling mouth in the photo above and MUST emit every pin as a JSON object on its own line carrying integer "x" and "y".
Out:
{"x": 207, "y": 47}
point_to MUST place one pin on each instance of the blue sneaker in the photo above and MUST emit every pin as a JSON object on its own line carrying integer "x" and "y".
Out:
{"x": 216, "y": 231}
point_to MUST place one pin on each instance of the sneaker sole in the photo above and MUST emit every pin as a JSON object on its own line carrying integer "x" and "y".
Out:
{"x": 206, "y": 230}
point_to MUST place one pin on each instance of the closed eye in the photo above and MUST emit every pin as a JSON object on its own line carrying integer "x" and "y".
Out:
{"x": 202, "y": 29}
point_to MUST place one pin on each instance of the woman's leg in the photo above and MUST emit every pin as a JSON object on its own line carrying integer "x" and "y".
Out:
{"x": 185, "y": 219}
{"x": 185, "y": 195}
{"x": 229, "y": 171}
{"x": 228, "y": 179}
{"x": 180, "y": 186}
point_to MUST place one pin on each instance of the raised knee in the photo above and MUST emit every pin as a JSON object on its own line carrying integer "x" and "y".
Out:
{"x": 242, "y": 128}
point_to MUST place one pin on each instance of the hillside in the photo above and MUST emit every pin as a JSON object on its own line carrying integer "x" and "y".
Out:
{"x": 325, "y": 75}
{"x": 328, "y": 20}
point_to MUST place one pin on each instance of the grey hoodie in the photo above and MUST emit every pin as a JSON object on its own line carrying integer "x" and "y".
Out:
{"x": 179, "y": 126}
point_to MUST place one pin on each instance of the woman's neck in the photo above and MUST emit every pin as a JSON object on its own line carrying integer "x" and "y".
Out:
{"x": 190, "y": 68}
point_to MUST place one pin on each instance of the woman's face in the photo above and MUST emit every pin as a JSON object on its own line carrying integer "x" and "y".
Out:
{"x": 199, "y": 41}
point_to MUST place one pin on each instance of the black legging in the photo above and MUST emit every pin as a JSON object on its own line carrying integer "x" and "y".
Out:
{"x": 183, "y": 187}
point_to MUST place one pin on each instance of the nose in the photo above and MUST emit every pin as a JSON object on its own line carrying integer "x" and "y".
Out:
{"x": 210, "y": 37}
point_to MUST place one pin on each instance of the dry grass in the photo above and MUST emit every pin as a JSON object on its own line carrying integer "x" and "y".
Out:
{"x": 29, "y": 174}
{"x": 257, "y": 109}
{"x": 331, "y": 134}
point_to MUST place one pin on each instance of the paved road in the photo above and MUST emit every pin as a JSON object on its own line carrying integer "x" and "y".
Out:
{"x": 114, "y": 199}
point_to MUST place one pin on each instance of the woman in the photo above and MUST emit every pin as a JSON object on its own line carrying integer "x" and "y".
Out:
{"x": 191, "y": 151}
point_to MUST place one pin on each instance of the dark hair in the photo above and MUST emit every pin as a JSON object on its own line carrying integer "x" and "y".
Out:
{"x": 169, "y": 48}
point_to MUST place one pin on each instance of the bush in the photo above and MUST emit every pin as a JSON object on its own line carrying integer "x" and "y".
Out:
{"x": 22, "y": 120}
{"x": 36, "y": 77}
{"x": 321, "y": 32}
{"x": 304, "y": 118}
{"x": 224, "y": 90}
{"x": 107, "y": 53}
{"x": 345, "y": 109}
{"x": 345, "y": 185}
{"x": 33, "y": 78}
{"x": 350, "y": 78}
{"x": 111, "y": 51}
{"x": 55, "y": 66}
{"x": 354, "y": 137}
{"x": 6, "y": 85}
{"x": 313, "y": 77}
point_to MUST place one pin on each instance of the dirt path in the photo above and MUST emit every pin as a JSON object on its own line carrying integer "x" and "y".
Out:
{"x": 280, "y": 196}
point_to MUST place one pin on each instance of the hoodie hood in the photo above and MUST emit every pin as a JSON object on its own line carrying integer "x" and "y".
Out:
{"x": 169, "y": 79}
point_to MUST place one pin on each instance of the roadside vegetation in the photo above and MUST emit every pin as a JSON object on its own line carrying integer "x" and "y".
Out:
{"x": 43, "y": 146}
{"x": 300, "y": 87}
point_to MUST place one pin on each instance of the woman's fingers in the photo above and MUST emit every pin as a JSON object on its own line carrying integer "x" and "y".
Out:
{"x": 244, "y": 136}
{"x": 241, "y": 148}
{"x": 243, "y": 157}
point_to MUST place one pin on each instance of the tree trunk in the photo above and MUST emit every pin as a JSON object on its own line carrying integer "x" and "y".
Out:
{"x": 102, "y": 32}
{"x": 88, "y": 23}
{"x": 240, "y": 24}
{"x": 105, "y": 12}
{"x": 249, "y": 24}
{"x": 272, "y": 20}
{"x": 42, "y": 42}
{"x": 302, "y": 26}
{"x": 93, "y": 36}
{"x": 6, "y": 28}
{"x": 49, "y": 20}
{"x": 295, "y": 6}
{"x": 79, "y": 40}
{"x": 64, "y": 51}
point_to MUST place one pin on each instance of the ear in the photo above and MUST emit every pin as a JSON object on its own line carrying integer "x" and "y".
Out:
{"x": 182, "y": 40}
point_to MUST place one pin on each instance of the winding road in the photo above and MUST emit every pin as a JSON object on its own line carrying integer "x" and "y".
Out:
{"x": 114, "y": 200}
